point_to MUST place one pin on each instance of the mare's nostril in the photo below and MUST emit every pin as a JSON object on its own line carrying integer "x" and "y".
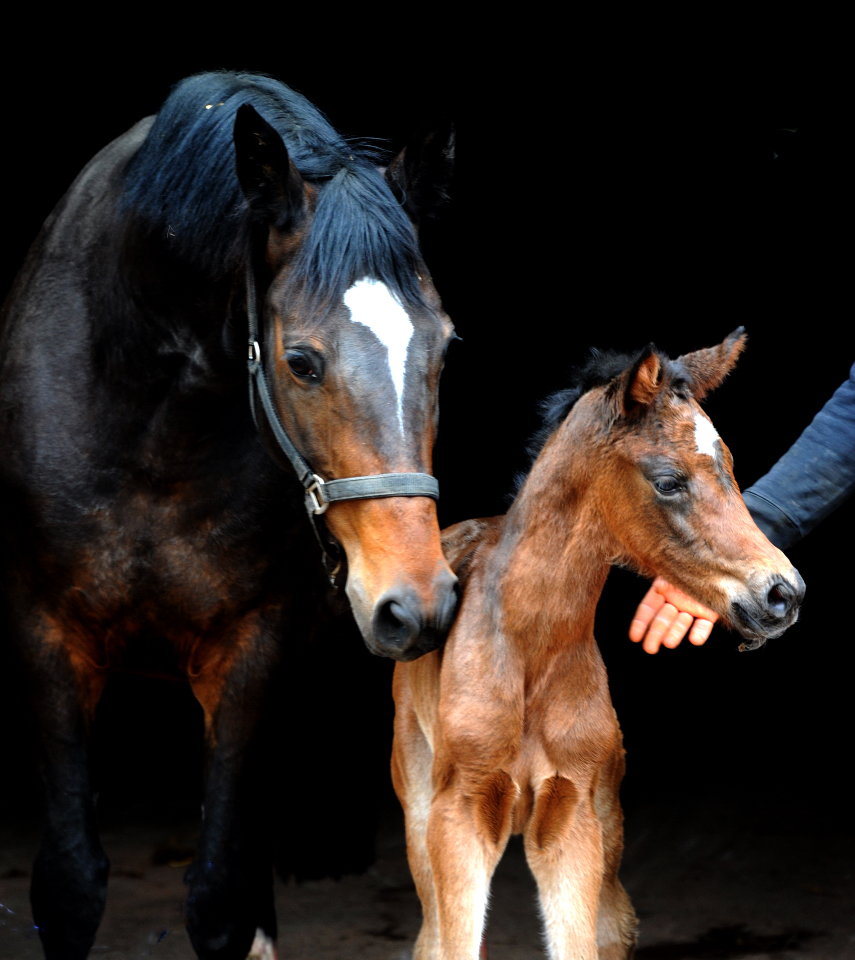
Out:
{"x": 395, "y": 625}
{"x": 448, "y": 609}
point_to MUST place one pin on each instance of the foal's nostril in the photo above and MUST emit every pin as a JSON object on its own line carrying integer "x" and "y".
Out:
{"x": 780, "y": 598}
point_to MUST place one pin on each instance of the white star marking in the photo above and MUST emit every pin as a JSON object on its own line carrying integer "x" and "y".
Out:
{"x": 705, "y": 435}
{"x": 372, "y": 304}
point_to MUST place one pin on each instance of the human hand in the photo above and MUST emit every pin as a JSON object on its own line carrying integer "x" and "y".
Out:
{"x": 665, "y": 615}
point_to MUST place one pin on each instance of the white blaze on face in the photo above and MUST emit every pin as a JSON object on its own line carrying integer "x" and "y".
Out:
{"x": 372, "y": 304}
{"x": 705, "y": 435}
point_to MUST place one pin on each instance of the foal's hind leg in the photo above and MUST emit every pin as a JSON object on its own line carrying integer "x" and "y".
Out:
{"x": 231, "y": 881}
{"x": 412, "y": 759}
{"x": 563, "y": 844}
{"x": 69, "y": 885}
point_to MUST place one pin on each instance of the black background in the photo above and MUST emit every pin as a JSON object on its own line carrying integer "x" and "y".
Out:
{"x": 608, "y": 193}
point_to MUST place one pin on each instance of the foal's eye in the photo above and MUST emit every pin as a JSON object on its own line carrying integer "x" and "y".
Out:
{"x": 667, "y": 486}
{"x": 300, "y": 365}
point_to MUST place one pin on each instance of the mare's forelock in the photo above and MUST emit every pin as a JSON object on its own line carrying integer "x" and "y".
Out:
{"x": 182, "y": 185}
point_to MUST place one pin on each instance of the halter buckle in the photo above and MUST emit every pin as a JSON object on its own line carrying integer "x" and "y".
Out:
{"x": 254, "y": 355}
{"x": 318, "y": 506}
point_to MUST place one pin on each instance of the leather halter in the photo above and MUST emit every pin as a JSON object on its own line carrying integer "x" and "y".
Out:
{"x": 319, "y": 494}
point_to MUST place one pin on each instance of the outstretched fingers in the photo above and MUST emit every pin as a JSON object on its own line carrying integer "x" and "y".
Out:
{"x": 666, "y": 615}
{"x": 644, "y": 615}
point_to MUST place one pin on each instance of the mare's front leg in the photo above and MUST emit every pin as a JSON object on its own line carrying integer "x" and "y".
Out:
{"x": 69, "y": 886}
{"x": 564, "y": 848}
{"x": 231, "y": 881}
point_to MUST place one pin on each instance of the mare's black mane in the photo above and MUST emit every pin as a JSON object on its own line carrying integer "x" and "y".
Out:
{"x": 182, "y": 185}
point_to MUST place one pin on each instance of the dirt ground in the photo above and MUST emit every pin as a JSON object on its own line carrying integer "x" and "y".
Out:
{"x": 709, "y": 881}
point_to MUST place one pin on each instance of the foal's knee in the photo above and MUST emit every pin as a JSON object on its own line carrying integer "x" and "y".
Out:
{"x": 554, "y": 810}
{"x": 494, "y": 801}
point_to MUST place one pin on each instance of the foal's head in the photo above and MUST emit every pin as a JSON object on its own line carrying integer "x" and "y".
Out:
{"x": 659, "y": 480}
{"x": 355, "y": 339}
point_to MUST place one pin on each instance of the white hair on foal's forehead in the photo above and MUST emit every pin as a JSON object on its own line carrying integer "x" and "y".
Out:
{"x": 372, "y": 304}
{"x": 705, "y": 435}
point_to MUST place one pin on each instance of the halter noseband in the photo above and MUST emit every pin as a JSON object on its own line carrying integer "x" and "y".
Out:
{"x": 319, "y": 494}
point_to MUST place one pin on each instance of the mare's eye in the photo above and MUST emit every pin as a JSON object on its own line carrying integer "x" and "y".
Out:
{"x": 667, "y": 486}
{"x": 300, "y": 365}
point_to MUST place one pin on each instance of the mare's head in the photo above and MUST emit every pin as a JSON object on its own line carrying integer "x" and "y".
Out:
{"x": 354, "y": 339}
{"x": 660, "y": 483}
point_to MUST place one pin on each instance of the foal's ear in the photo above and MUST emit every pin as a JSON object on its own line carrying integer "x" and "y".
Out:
{"x": 270, "y": 182}
{"x": 707, "y": 368}
{"x": 419, "y": 176}
{"x": 639, "y": 385}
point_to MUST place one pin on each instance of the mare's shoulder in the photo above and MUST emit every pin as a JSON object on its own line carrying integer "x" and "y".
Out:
{"x": 461, "y": 542}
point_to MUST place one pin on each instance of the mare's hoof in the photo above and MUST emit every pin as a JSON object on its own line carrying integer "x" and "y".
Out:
{"x": 263, "y": 948}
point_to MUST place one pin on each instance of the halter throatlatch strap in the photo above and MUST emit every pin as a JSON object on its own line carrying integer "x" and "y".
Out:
{"x": 319, "y": 493}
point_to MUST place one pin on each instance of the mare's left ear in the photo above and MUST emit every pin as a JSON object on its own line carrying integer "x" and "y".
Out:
{"x": 419, "y": 176}
{"x": 269, "y": 180}
{"x": 707, "y": 368}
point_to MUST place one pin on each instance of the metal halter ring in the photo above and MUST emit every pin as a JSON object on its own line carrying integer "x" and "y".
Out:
{"x": 318, "y": 506}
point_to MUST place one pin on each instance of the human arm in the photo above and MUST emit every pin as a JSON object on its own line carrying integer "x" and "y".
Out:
{"x": 813, "y": 477}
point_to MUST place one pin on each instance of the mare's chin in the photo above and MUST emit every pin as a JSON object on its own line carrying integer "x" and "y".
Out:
{"x": 426, "y": 642}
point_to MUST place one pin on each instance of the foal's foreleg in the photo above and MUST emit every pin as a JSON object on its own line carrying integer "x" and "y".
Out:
{"x": 468, "y": 831}
{"x": 564, "y": 847}
{"x": 616, "y": 923}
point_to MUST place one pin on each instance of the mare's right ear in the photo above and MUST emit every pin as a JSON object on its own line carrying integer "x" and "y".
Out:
{"x": 269, "y": 180}
{"x": 419, "y": 176}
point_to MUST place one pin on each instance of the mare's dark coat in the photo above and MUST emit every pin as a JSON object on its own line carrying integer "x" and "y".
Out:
{"x": 145, "y": 527}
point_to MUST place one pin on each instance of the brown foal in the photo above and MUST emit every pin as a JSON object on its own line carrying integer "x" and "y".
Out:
{"x": 510, "y": 729}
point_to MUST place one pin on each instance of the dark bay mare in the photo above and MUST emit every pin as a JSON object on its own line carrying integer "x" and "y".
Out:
{"x": 158, "y": 515}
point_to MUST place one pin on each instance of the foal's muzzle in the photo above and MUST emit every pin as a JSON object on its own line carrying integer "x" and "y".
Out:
{"x": 404, "y": 630}
{"x": 765, "y": 613}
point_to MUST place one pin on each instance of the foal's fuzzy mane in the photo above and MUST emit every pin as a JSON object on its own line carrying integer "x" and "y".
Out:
{"x": 601, "y": 367}
{"x": 182, "y": 184}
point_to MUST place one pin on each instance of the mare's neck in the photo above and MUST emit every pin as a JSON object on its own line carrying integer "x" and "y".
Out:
{"x": 553, "y": 558}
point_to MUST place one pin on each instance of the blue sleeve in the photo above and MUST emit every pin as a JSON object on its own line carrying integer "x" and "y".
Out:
{"x": 813, "y": 477}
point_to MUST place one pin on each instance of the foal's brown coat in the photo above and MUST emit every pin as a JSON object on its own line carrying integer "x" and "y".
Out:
{"x": 511, "y": 729}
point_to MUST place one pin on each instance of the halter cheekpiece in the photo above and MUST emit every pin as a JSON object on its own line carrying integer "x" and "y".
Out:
{"x": 319, "y": 493}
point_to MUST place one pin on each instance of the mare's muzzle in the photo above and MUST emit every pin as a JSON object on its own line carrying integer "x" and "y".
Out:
{"x": 770, "y": 609}
{"x": 401, "y": 627}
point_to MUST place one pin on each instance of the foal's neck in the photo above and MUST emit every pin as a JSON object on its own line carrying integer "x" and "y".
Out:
{"x": 553, "y": 557}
